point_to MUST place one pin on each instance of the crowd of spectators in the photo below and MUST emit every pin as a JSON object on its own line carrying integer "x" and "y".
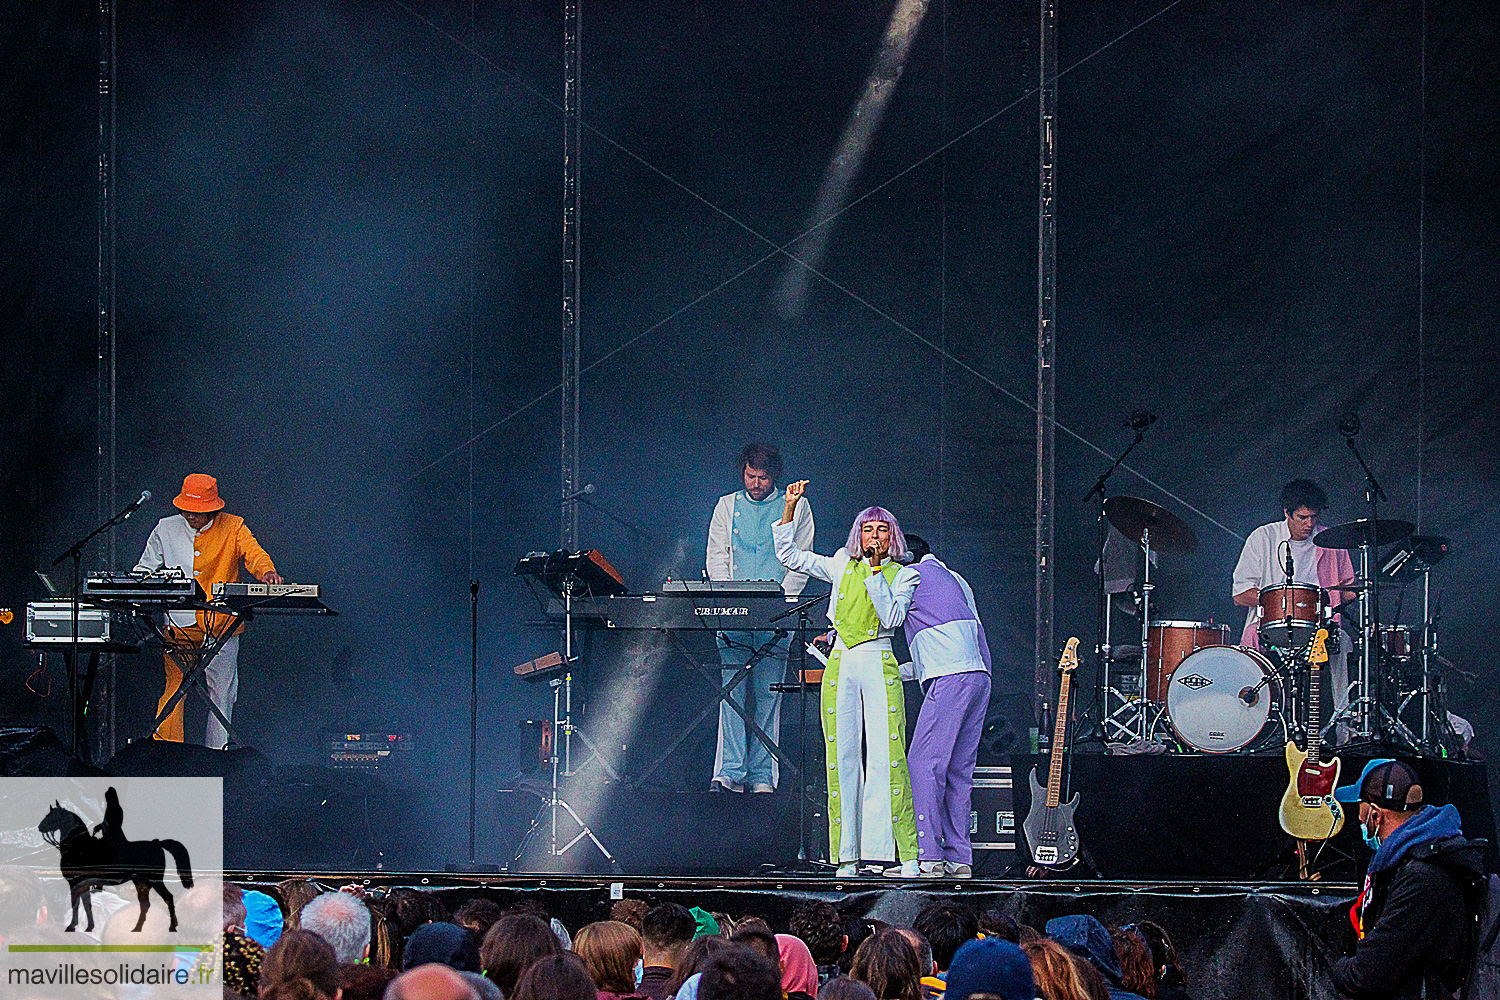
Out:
{"x": 406, "y": 945}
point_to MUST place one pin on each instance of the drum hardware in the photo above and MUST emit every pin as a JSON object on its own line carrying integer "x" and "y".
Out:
{"x": 1152, "y": 527}
{"x": 1365, "y": 534}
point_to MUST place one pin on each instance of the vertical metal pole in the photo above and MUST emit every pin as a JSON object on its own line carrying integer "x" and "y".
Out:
{"x": 1046, "y": 346}
{"x": 105, "y": 416}
{"x": 572, "y": 24}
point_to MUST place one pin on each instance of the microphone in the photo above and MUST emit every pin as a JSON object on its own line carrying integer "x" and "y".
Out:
{"x": 136, "y": 504}
{"x": 1249, "y": 695}
{"x": 1291, "y": 570}
{"x": 1349, "y": 426}
{"x": 578, "y": 493}
{"x": 1140, "y": 420}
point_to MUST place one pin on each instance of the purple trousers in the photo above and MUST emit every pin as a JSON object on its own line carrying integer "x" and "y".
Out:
{"x": 943, "y": 751}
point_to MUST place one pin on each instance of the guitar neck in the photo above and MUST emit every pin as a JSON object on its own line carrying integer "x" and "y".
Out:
{"x": 1059, "y": 730}
{"x": 1314, "y": 717}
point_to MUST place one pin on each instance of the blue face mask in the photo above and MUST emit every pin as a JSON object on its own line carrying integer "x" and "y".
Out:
{"x": 1372, "y": 841}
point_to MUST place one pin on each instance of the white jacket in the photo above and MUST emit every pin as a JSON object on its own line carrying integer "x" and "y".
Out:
{"x": 895, "y": 599}
{"x": 719, "y": 558}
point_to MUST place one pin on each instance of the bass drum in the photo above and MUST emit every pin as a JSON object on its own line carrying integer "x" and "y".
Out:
{"x": 1220, "y": 698}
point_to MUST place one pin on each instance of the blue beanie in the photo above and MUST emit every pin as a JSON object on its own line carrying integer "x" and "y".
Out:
{"x": 990, "y": 965}
{"x": 1086, "y": 936}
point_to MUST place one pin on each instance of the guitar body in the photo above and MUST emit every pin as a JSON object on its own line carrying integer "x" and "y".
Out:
{"x": 1308, "y": 809}
{"x": 1050, "y": 831}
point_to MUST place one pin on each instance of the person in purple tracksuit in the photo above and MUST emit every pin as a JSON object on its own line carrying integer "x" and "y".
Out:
{"x": 951, "y": 658}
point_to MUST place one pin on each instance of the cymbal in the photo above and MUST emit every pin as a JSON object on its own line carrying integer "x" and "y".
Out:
{"x": 1131, "y": 516}
{"x": 1353, "y": 534}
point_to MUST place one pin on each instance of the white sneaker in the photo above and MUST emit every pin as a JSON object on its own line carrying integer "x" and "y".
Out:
{"x": 849, "y": 870}
{"x": 723, "y": 784}
{"x": 955, "y": 870}
{"x": 763, "y": 788}
{"x": 906, "y": 869}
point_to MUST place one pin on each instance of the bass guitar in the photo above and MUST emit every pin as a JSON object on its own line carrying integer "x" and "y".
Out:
{"x": 1049, "y": 826}
{"x": 1308, "y": 809}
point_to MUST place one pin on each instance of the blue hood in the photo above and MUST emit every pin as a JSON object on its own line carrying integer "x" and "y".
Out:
{"x": 1429, "y": 824}
{"x": 1087, "y": 936}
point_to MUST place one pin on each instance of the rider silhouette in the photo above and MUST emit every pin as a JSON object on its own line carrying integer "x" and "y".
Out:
{"x": 111, "y": 830}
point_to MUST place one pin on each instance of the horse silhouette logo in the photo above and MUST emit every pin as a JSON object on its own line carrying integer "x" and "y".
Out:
{"x": 90, "y": 861}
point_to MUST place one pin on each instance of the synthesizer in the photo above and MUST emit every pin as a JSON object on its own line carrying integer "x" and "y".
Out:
{"x": 163, "y": 587}
{"x": 711, "y": 612}
{"x": 271, "y": 598}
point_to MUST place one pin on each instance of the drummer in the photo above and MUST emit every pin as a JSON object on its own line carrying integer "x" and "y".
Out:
{"x": 1263, "y": 564}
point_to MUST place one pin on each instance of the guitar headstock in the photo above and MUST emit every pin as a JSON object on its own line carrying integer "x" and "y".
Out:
{"x": 1069, "y": 661}
{"x": 1319, "y": 654}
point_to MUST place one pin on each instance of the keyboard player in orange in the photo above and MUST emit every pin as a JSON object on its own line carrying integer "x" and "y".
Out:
{"x": 211, "y": 546}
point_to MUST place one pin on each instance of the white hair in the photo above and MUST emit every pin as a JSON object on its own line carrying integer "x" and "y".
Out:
{"x": 341, "y": 920}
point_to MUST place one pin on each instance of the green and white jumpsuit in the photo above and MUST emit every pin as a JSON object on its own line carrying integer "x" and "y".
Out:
{"x": 863, "y": 709}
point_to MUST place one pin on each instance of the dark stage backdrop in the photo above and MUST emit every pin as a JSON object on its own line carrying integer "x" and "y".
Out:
{"x": 339, "y": 269}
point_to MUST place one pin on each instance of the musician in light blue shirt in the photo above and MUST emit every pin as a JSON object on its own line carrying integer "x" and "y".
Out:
{"x": 740, "y": 548}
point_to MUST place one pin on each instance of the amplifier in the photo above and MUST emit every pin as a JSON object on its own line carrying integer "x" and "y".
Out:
{"x": 992, "y": 820}
{"x": 51, "y": 623}
{"x": 367, "y": 751}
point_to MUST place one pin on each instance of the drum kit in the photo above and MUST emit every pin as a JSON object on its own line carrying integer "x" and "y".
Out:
{"x": 1189, "y": 687}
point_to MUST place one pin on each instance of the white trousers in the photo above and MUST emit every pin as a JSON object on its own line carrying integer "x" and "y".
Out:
{"x": 223, "y": 677}
{"x": 863, "y": 707}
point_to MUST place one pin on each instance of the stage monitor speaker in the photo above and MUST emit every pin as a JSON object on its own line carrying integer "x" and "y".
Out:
{"x": 164, "y": 759}
{"x": 36, "y": 752}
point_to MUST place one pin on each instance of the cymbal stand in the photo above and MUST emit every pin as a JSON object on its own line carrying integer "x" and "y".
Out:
{"x": 1367, "y": 714}
{"x": 1099, "y": 714}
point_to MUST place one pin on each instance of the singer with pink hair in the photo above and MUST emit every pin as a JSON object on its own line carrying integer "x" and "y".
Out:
{"x": 863, "y": 708}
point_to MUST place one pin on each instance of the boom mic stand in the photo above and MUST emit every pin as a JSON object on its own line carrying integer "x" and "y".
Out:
{"x": 567, "y": 583}
{"x": 1097, "y": 732}
{"x": 75, "y": 553}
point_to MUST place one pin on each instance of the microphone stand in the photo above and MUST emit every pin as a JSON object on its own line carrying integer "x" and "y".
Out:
{"x": 470, "y": 864}
{"x": 75, "y": 553}
{"x": 804, "y": 863}
{"x": 1367, "y": 717}
{"x": 1097, "y": 731}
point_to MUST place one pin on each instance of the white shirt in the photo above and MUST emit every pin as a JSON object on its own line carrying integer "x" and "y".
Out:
{"x": 171, "y": 545}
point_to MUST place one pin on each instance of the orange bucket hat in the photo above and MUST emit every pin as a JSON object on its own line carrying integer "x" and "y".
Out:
{"x": 200, "y": 494}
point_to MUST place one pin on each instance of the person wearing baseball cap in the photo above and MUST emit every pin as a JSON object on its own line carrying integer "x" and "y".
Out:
{"x": 1412, "y": 917}
{"x": 211, "y": 546}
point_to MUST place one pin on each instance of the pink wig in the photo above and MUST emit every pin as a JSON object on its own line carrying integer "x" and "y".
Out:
{"x": 898, "y": 540}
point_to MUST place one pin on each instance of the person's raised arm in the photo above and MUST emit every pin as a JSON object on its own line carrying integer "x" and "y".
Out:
{"x": 784, "y": 533}
{"x": 794, "y": 493}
